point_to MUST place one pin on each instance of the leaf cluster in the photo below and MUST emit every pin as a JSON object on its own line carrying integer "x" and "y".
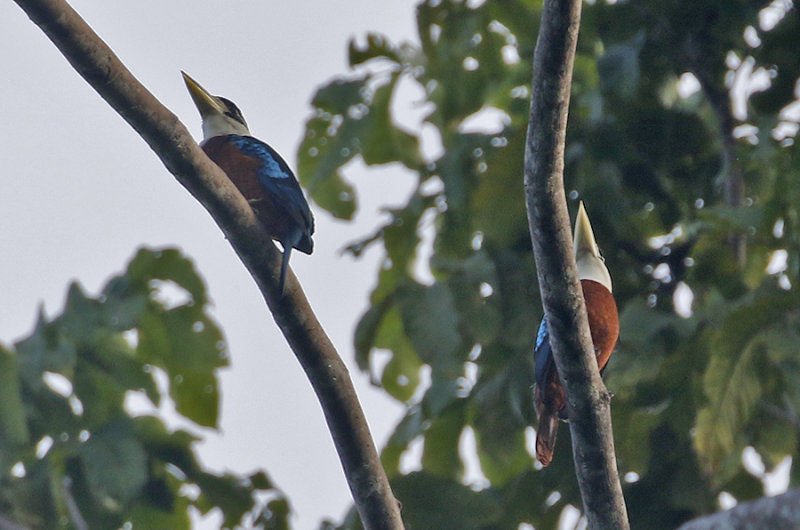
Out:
{"x": 77, "y": 453}
{"x": 707, "y": 363}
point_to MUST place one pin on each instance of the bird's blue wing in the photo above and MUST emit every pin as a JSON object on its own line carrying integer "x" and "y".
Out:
{"x": 542, "y": 354}
{"x": 277, "y": 179}
{"x": 273, "y": 165}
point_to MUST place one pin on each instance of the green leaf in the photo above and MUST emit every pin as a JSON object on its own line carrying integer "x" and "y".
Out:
{"x": 115, "y": 464}
{"x": 167, "y": 264}
{"x": 336, "y": 196}
{"x": 377, "y": 47}
{"x": 401, "y": 374}
{"x": 187, "y": 344}
{"x": 172, "y": 447}
{"x": 30, "y": 500}
{"x": 401, "y": 238}
{"x": 115, "y": 467}
{"x": 333, "y": 138}
{"x": 340, "y": 94}
{"x": 744, "y": 486}
{"x": 145, "y": 516}
{"x": 13, "y": 423}
{"x": 405, "y": 431}
{"x": 45, "y": 351}
{"x": 498, "y": 188}
{"x": 442, "y": 392}
{"x": 619, "y": 67}
{"x": 633, "y": 427}
{"x": 276, "y": 515}
{"x": 501, "y": 410}
{"x": 366, "y": 332}
{"x": 227, "y": 493}
{"x": 386, "y": 142}
{"x": 733, "y": 379}
{"x": 351, "y": 118}
{"x": 440, "y": 454}
{"x": 431, "y": 324}
{"x": 436, "y": 502}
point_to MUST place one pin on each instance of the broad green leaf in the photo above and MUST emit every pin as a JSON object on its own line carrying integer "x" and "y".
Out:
{"x": 377, "y": 47}
{"x": 46, "y": 350}
{"x": 115, "y": 464}
{"x": 172, "y": 447}
{"x": 13, "y": 422}
{"x": 386, "y": 142}
{"x": 435, "y": 502}
{"x": 498, "y": 189}
{"x": 619, "y": 67}
{"x": 401, "y": 239}
{"x": 176, "y": 518}
{"x": 30, "y": 500}
{"x": 339, "y": 95}
{"x": 499, "y": 421}
{"x": 333, "y": 138}
{"x": 405, "y": 431}
{"x": 336, "y": 195}
{"x": 733, "y": 380}
{"x": 276, "y": 515}
{"x": 431, "y": 323}
{"x": 186, "y": 343}
{"x": 401, "y": 374}
{"x": 168, "y": 265}
{"x": 366, "y": 331}
{"x": 744, "y": 486}
{"x": 440, "y": 454}
{"x": 633, "y": 427}
{"x": 442, "y": 392}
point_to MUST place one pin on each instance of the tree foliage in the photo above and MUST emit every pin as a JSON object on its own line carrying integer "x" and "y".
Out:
{"x": 693, "y": 195}
{"x": 75, "y": 454}
{"x": 692, "y": 184}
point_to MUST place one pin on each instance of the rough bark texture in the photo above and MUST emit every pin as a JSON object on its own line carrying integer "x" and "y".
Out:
{"x": 588, "y": 400}
{"x": 173, "y": 144}
{"x": 776, "y": 513}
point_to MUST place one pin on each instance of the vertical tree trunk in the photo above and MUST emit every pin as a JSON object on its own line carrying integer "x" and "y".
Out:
{"x": 587, "y": 398}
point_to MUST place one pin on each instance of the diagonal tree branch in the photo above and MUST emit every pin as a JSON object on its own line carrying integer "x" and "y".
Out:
{"x": 587, "y": 398}
{"x": 176, "y": 148}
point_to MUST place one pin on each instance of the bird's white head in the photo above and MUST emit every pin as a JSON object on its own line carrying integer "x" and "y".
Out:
{"x": 591, "y": 265}
{"x": 220, "y": 116}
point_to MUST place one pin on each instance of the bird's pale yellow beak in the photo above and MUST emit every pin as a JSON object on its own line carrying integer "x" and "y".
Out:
{"x": 583, "y": 239}
{"x": 205, "y": 102}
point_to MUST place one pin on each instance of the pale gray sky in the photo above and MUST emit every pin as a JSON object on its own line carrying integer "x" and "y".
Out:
{"x": 81, "y": 191}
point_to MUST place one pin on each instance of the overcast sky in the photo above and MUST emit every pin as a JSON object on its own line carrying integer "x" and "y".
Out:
{"x": 81, "y": 192}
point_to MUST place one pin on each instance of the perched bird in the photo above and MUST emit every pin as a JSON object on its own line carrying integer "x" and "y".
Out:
{"x": 261, "y": 175}
{"x": 549, "y": 400}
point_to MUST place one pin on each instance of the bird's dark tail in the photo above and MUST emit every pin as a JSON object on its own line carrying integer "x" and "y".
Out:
{"x": 287, "y": 251}
{"x": 546, "y": 437}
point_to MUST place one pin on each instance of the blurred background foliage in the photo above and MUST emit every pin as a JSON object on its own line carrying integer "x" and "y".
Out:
{"x": 83, "y": 441}
{"x": 681, "y": 143}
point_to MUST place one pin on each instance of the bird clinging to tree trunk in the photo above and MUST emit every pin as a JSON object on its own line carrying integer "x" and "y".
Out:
{"x": 549, "y": 399}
